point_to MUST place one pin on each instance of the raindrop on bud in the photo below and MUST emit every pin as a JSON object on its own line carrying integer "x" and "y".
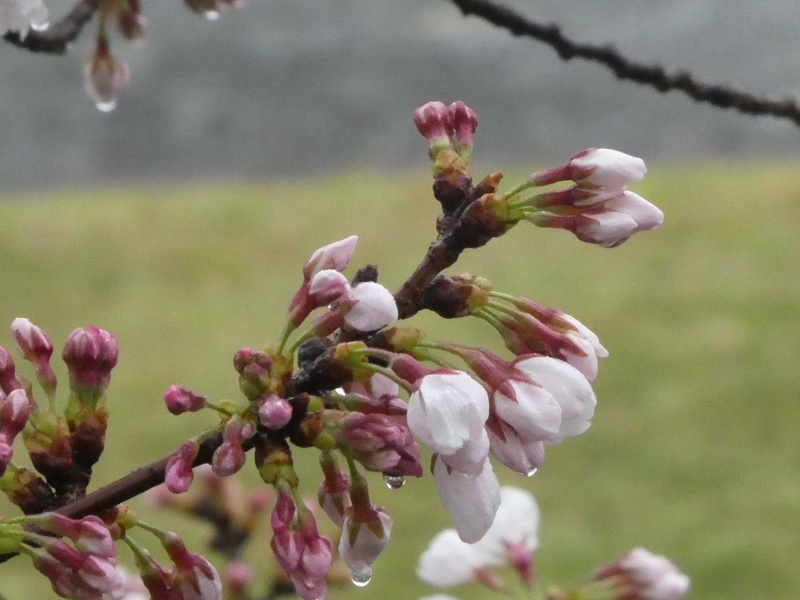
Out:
{"x": 106, "y": 106}
{"x": 394, "y": 482}
{"x": 40, "y": 25}
{"x": 532, "y": 471}
{"x": 361, "y": 577}
{"x": 211, "y": 15}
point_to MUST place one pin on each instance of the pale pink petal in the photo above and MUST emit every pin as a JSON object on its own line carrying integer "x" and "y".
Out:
{"x": 374, "y": 307}
{"x": 471, "y": 501}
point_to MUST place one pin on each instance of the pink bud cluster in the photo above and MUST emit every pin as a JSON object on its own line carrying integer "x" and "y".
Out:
{"x": 599, "y": 208}
{"x": 302, "y": 552}
{"x": 446, "y": 127}
{"x": 86, "y": 569}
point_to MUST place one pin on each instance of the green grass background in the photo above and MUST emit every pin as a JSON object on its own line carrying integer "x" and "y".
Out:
{"x": 695, "y": 447}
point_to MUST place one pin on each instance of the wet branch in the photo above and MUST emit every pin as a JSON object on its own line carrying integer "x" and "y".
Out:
{"x": 655, "y": 76}
{"x": 57, "y": 38}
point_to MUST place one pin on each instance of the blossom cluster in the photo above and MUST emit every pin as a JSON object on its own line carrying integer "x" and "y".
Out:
{"x": 512, "y": 540}
{"x": 365, "y": 393}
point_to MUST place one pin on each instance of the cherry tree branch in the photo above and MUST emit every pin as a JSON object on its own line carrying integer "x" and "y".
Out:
{"x": 655, "y": 76}
{"x": 57, "y": 38}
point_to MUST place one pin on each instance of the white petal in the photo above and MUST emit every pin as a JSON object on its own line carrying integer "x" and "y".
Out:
{"x": 448, "y": 561}
{"x": 534, "y": 414}
{"x": 471, "y": 501}
{"x": 374, "y": 307}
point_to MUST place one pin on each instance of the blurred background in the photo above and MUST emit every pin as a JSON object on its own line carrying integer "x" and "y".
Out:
{"x": 181, "y": 220}
{"x": 288, "y": 86}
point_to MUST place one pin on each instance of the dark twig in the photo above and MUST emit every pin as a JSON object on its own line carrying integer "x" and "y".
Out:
{"x": 57, "y": 38}
{"x": 654, "y": 76}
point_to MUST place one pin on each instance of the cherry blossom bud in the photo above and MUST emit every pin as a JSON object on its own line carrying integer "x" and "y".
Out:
{"x": 602, "y": 167}
{"x": 89, "y": 534}
{"x": 641, "y": 575}
{"x": 447, "y": 413}
{"x": 471, "y": 501}
{"x": 180, "y": 400}
{"x": 434, "y": 122}
{"x": 8, "y": 374}
{"x": 379, "y": 443}
{"x": 465, "y": 122}
{"x": 90, "y": 355}
{"x": 448, "y": 561}
{"x": 74, "y": 574}
{"x": 104, "y": 77}
{"x": 14, "y": 412}
{"x": 334, "y": 496}
{"x": 195, "y": 577}
{"x": 596, "y": 167}
{"x": 274, "y": 412}
{"x": 230, "y": 456}
{"x": 365, "y": 534}
{"x": 32, "y": 342}
{"x": 178, "y": 472}
{"x": 327, "y": 286}
{"x": 373, "y": 307}
{"x": 568, "y": 387}
{"x": 35, "y": 345}
{"x": 520, "y": 454}
{"x": 334, "y": 256}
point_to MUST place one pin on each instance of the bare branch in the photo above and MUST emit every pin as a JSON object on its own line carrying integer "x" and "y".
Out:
{"x": 57, "y": 38}
{"x": 655, "y": 76}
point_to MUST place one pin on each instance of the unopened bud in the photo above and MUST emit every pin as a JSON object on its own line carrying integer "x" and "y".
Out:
{"x": 105, "y": 76}
{"x": 90, "y": 355}
{"x": 465, "y": 122}
{"x": 180, "y": 400}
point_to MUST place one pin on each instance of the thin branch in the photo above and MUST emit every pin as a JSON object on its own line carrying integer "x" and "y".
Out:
{"x": 57, "y": 38}
{"x": 654, "y": 76}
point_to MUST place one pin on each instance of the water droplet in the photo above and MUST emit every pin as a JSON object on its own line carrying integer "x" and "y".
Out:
{"x": 361, "y": 577}
{"x": 394, "y": 482}
{"x": 211, "y": 15}
{"x": 40, "y": 26}
{"x": 532, "y": 471}
{"x": 106, "y": 105}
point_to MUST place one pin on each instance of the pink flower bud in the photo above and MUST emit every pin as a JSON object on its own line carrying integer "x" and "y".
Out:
{"x": 195, "y": 577}
{"x": 274, "y": 412}
{"x": 90, "y": 355}
{"x": 465, "y": 122}
{"x": 379, "y": 443}
{"x": 334, "y": 256}
{"x": 334, "y": 496}
{"x": 434, "y": 122}
{"x": 104, "y": 77}
{"x": 14, "y": 412}
{"x": 180, "y": 400}
{"x": 602, "y": 167}
{"x": 32, "y": 342}
{"x": 230, "y": 456}
{"x": 8, "y": 374}
{"x": 178, "y": 473}
{"x": 89, "y": 534}
{"x": 327, "y": 286}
